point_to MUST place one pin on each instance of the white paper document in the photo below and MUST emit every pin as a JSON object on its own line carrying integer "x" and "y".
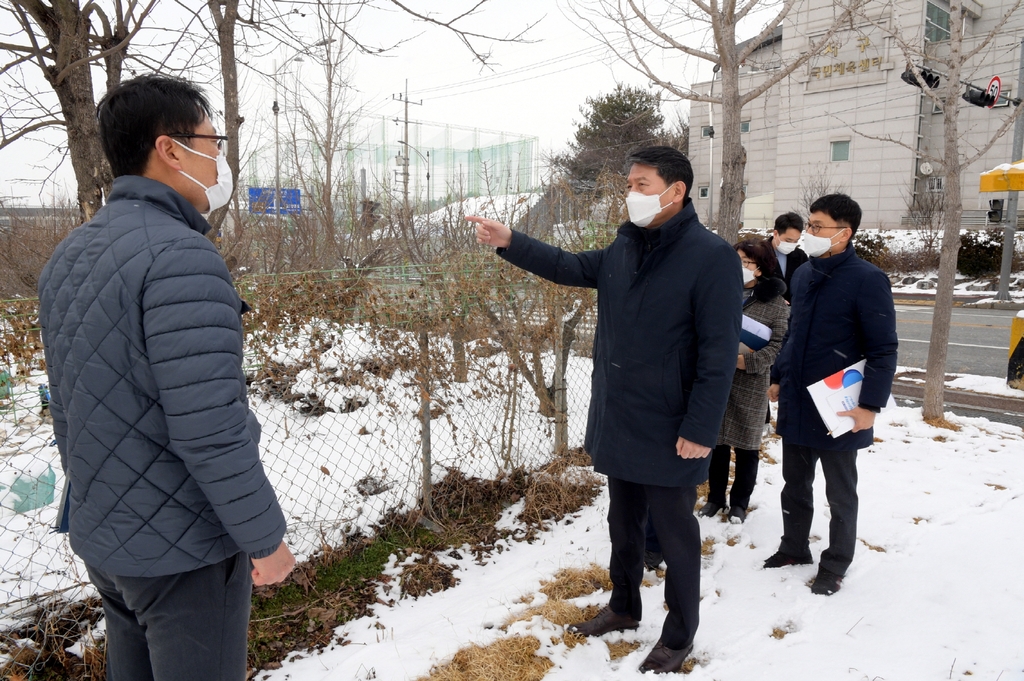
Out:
{"x": 836, "y": 393}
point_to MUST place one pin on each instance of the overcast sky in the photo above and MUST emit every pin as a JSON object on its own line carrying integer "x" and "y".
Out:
{"x": 533, "y": 88}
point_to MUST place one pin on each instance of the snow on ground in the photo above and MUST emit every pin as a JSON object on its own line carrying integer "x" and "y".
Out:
{"x": 934, "y": 591}
{"x": 988, "y": 385}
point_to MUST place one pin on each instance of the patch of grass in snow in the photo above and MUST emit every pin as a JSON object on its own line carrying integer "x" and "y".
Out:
{"x": 576, "y": 582}
{"x": 507, "y": 659}
{"x": 621, "y": 649}
{"x": 941, "y": 422}
{"x": 333, "y": 587}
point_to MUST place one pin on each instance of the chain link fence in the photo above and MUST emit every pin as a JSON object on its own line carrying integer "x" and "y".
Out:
{"x": 370, "y": 385}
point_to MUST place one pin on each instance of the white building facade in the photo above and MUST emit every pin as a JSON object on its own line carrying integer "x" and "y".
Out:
{"x": 847, "y": 122}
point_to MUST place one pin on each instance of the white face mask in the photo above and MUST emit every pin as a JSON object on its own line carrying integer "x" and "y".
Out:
{"x": 643, "y": 208}
{"x": 219, "y": 194}
{"x": 816, "y": 246}
{"x": 785, "y": 247}
{"x": 748, "y": 276}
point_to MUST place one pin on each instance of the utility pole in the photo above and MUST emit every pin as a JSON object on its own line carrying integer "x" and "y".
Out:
{"x": 403, "y": 159}
{"x": 1009, "y": 231}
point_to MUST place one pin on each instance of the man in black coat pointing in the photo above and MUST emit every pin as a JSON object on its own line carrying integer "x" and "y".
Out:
{"x": 669, "y": 301}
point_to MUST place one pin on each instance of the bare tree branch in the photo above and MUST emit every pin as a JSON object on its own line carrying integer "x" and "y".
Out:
{"x": 29, "y": 129}
{"x": 109, "y": 51}
{"x": 464, "y": 35}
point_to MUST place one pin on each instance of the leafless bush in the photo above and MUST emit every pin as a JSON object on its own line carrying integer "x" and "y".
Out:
{"x": 27, "y": 243}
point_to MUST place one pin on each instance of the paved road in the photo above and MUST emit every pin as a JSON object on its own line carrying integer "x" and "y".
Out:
{"x": 979, "y": 340}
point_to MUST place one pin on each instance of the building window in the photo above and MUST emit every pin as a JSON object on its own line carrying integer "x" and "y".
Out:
{"x": 936, "y": 23}
{"x": 841, "y": 151}
{"x": 707, "y": 131}
{"x": 936, "y": 108}
{"x": 702, "y": 192}
{"x": 936, "y": 184}
{"x": 745, "y": 126}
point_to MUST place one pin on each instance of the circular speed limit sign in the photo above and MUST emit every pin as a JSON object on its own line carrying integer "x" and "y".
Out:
{"x": 994, "y": 87}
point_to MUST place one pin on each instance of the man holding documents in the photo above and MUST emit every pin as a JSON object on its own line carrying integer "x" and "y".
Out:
{"x": 842, "y": 334}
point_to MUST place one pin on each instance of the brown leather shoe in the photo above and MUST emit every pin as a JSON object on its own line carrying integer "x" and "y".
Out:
{"x": 664, "y": 660}
{"x": 604, "y": 621}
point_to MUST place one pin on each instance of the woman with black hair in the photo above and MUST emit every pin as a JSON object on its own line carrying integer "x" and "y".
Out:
{"x": 743, "y": 424}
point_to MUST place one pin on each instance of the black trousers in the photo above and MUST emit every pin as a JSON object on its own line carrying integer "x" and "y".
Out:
{"x": 192, "y": 625}
{"x": 671, "y": 511}
{"x": 840, "y": 469}
{"x": 743, "y": 482}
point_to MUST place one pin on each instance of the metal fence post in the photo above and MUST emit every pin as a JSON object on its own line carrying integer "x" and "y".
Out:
{"x": 561, "y": 403}
{"x": 427, "y": 484}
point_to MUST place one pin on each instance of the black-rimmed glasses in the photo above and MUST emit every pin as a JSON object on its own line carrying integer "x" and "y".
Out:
{"x": 221, "y": 139}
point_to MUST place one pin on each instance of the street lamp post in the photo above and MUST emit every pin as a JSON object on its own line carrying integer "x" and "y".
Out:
{"x": 277, "y": 135}
{"x": 277, "y": 140}
{"x": 711, "y": 155}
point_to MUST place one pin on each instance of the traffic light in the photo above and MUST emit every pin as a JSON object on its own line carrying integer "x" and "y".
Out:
{"x": 930, "y": 78}
{"x": 978, "y": 97}
{"x": 995, "y": 210}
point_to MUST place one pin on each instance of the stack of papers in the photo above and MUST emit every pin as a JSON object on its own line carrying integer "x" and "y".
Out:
{"x": 753, "y": 335}
{"x": 840, "y": 392}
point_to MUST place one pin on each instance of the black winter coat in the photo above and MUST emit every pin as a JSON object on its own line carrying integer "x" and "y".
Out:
{"x": 143, "y": 340}
{"x": 793, "y": 262}
{"x": 665, "y": 347}
{"x": 842, "y": 312}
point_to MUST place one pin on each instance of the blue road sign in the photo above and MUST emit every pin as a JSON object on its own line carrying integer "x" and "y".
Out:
{"x": 261, "y": 201}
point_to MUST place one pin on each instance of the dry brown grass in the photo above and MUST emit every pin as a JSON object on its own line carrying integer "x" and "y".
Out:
{"x": 558, "y": 489}
{"x": 621, "y": 649}
{"x": 707, "y": 547}
{"x": 38, "y": 649}
{"x": 576, "y": 582}
{"x": 557, "y": 612}
{"x": 763, "y": 454}
{"x": 508, "y": 659}
{"x": 880, "y": 549}
{"x": 941, "y": 422}
{"x": 427, "y": 575}
{"x": 702, "y": 491}
{"x": 781, "y": 631}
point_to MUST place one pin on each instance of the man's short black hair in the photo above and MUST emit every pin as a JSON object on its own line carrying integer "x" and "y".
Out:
{"x": 788, "y": 221}
{"x": 671, "y": 164}
{"x": 840, "y": 208}
{"x": 136, "y": 112}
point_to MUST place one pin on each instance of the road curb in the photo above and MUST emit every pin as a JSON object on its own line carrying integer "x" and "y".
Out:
{"x": 997, "y": 305}
{"x": 962, "y": 398}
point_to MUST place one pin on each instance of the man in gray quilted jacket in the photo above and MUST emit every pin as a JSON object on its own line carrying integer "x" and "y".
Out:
{"x": 167, "y": 503}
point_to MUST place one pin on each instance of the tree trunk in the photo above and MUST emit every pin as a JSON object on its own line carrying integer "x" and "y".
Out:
{"x": 952, "y": 210}
{"x": 68, "y": 32}
{"x": 734, "y": 157}
{"x": 224, "y": 22}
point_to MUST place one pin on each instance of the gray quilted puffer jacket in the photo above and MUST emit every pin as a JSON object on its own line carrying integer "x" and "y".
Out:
{"x": 143, "y": 341}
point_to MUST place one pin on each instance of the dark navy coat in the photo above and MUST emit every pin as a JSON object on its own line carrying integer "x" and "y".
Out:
{"x": 143, "y": 340}
{"x": 666, "y": 343}
{"x": 842, "y": 312}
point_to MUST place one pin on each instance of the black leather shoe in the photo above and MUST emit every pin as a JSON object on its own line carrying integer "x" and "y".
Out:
{"x": 664, "y": 660}
{"x": 653, "y": 560}
{"x": 780, "y": 559}
{"x": 826, "y": 583}
{"x": 709, "y": 510}
{"x": 606, "y": 620}
{"x": 737, "y": 515}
